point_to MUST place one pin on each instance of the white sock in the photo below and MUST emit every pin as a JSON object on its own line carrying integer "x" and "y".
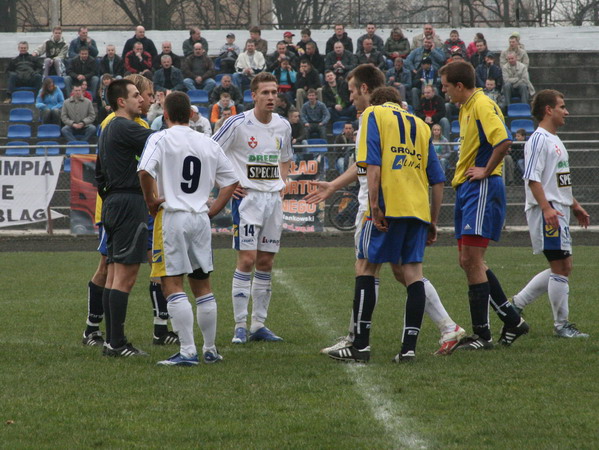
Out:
{"x": 179, "y": 309}
{"x": 261, "y": 292}
{"x": 533, "y": 290}
{"x": 241, "y": 297}
{"x": 206, "y": 313}
{"x": 558, "y": 289}
{"x": 435, "y": 309}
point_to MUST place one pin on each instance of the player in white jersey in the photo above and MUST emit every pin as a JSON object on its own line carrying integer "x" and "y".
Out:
{"x": 258, "y": 143}
{"x": 362, "y": 82}
{"x": 183, "y": 166}
{"x": 549, "y": 200}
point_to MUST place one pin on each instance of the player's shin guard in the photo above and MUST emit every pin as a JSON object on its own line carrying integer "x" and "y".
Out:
{"x": 160, "y": 309}
{"x": 240, "y": 293}
{"x": 504, "y": 309}
{"x": 261, "y": 293}
{"x": 206, "y": 314}
{"x": 478, "y": 295}
{"x": 364, "y": 303}
{"x": 118, "y": 314}
{"x": 435, "y": 309}
{"x": 415, "y": 305}
{"x": 533, "y": 290}
{"x": 95, "y": 309}
{"x": 106, "y": 305}
{"x": 559, "y": 290}
{"x": 181, "y": 315}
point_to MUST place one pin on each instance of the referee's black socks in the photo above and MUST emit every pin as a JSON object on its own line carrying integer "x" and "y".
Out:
{"x": 504, "y": 309}
{"x": 118, "y": 313}
{"x": 364, "y": 303}
{"x": 106, "y": 304}
{"x": 478, "y": 295}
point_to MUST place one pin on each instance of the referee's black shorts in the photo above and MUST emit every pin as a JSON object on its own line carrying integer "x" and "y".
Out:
{"x": 125, "y": 218}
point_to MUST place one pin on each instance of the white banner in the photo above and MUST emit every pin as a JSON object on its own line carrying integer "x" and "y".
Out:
{"x": 26, "y": 188}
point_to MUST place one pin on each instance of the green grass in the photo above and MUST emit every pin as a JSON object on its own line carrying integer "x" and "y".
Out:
{"x": 542, "y": 392}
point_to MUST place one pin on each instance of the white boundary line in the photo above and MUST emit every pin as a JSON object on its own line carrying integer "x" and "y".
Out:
{"x": 385, "y": 411}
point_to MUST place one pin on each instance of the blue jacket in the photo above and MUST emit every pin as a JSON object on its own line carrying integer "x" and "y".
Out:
{"x": 50, "y": 101}
{"x": 405, "y": 77}
{"x": 414, "y": 59}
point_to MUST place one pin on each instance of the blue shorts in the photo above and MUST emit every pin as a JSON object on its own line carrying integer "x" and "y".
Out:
{"x": 150, "y": 231}
{"x": 480, "y": 208}
{"x": 404, "y": 243}
{"x": 103, "y": 238}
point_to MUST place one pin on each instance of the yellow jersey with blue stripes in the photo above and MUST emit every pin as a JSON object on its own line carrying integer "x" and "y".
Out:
{"x": 482, "y": 128}
{"x": 400, "y": 143}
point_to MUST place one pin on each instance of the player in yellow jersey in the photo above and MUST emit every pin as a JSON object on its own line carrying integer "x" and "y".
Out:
{"x": 480, "y": 203}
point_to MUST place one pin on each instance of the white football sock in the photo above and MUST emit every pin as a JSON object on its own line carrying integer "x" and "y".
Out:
{"x": 179, "y": 309}
{"x": 206, "y": 313}
{"x": 558, "y": 289}
{"x": 533, "y": 290}
{"x": 241, "y": 297}
{"x": 261, "y": 293}
{"x": 435, "y": 309}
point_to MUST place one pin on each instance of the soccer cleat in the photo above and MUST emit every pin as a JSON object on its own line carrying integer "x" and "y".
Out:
{"x": 342, "y": 342}
{"x": 473, "y": 342}
{"x": 408, "y": 356}
{"x": 211, "y": 357}
{"x": 124, "y": 351}
{"x": 449, "y": 340}
{"x": 179, "y": 360}
{"x": 351, "y": 354}
{"x": 510, "y": 334}
{"x": 240, "y": 336}
{"x": 93, "y": 338}
{"x": 569, "y": 330}
{"x": 169, "y": 338}
{"x": 264, "y": 334}
{"x": 105, "y": 348}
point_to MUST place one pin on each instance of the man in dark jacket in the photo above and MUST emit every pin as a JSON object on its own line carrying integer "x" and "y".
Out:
{"x": 340, "y": 60}
{"x": 307, "y": 78}
{"x": 140, "y": 36}
{"x": 24, "y": 70}
{"x": 489, "y": 70}
{"x": 198, "y": 70}
{"x": 335, "y": 95}
{"x": 226, "y": 85}
{"x": 168, "y": 76}
{"x": 112, "y": 63}
{"x": 195, "y": 36}
{"x": 83, "y": 67}
{"x": 82, "y": 40}
{"x": 432, "y": 110}
{"x": 167, "y": 49}
{"x": 138, "y": 61}
{"x": 315, "y": 58}
{"x": 339, "y": 36}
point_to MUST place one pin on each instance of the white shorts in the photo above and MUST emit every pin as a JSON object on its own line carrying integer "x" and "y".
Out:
{"x": 258, "y": 221}
{"x": 360, "y": 218}
{"x": 547, "y": 238}
{"x": 182, "y": 243}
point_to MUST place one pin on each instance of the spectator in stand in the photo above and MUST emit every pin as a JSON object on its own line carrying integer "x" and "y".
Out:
{"x": 376, "y": 39}
{"x": 453, "y": 45}
{"x": 343, "y": 154}
{"x": 340, "y": 61}
{"x": 83, "y": 67}
{"x": 260, "y": 44}
{"x": 228, "y": 54}
{"x": 369, "y": 55}
{"x": 147, "y": 43}
{"x": 298, "y": 130}
{"x": 168, "y": 77}
{"x": 339, "y": 36}
{"x": 223, "y": 103}
{"x": 335, "y": 95}
{"x": 167, "y": 49}
{"x": 426, "y": 76}
{"x": 138, "y": 61}
{"x": 303, "y": 42}
{"x": 315, "y": 116}
{"x": 489, "y": 70}
{"x": 86, "y": 93}
{"x": 195, "y": 36}
{"x": 428, "y": 50}
{"x": 199, "y": 123}
{"x": 112, "y": 63}
{"x": 281, "y": 53}
{"x": 49, "y": 102}
{"x": 494, "y": 93}
{"x": 471, "y": 49}
{"x": 219, "y": 123}
{"x": 428, "y": 32}
{"x": 198, "y": 70}
{"x": 515, "y": 78}
{"x": 517, "y": 49}
{"x": 397, "y": 45}
{"x": 399, "y": 77}
{"x": 282, "y": 105}
{"x": 517, "y": 150}
{"x": 82, "y": 40}
{"x": 248, "y": 65}
{"x": 307, "y": 78}
{"x": 286, "y": 78}
{"x": 315, "y": 58}
{"x": 78, "y": 116}
{"x": 156, "y": 108}
{"x": 226, "y": 85}
{"x": 481, "y": 51}
{"x": 443, "y": 151}
{"x": 56, "y": 50}
{"x": 24, "y": 70}
{"x": 456, "y": 56}
{"x": 432, "y": 110}
{"x": 288, "y": 39}
{"x": 102, "y": 102}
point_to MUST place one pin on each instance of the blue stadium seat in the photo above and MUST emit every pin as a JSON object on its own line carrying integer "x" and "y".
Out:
{"x": 18, "y": 150}
{"x": 77, "y": 150}
{"x": 23, "y": 98}
{"x": 338, "y": 127}
{"x": 20, "y": 115}
{"x": 518, "y": 110}
{"x": 455, "y": 127}
{"x": 247, "y": 96}
{"x": 58, "y": 82}
{"x": 198, "y": 96}
{"x": 203, "y": 110}
{"x": 48, "y": 131}
{"x": 527, "y": 124}
{"x": 52, "y": 151}
{"x": 19, "y": 132}
{"x": 317, "y": 141}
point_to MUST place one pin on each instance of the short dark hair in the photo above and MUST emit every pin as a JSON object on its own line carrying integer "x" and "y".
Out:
{"x": 459, "y": 72}
{"x": 118, "y": 89}
{"x": 256, "y": 30}
{"x": 544, "y": 98}
{"x": 369, "y": 75}
{"x": 311, "y": 91}
{"x": 177, "y": 106}
{"x": 305, "y": 61}
{"x": 306, "y": 31}
{"x": 262, "y": 77}
{"x": 385, "y": 94}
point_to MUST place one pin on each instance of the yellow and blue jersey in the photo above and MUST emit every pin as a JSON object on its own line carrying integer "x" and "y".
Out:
{"x": 482, "y": 128}
{"x": 400, "y": 143}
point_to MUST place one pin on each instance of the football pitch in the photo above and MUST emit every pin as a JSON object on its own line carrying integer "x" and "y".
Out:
{"x": 543, "y": 392}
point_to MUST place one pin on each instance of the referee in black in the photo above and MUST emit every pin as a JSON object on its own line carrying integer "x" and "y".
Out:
{"x": 124, "y": 211}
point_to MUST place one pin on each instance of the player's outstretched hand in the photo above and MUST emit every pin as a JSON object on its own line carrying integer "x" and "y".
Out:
{"x": 323, "y": 190}
{"x": 240, "y": 192}
{"x": 584, "y": 220}
{"x": 154, "y": 205}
